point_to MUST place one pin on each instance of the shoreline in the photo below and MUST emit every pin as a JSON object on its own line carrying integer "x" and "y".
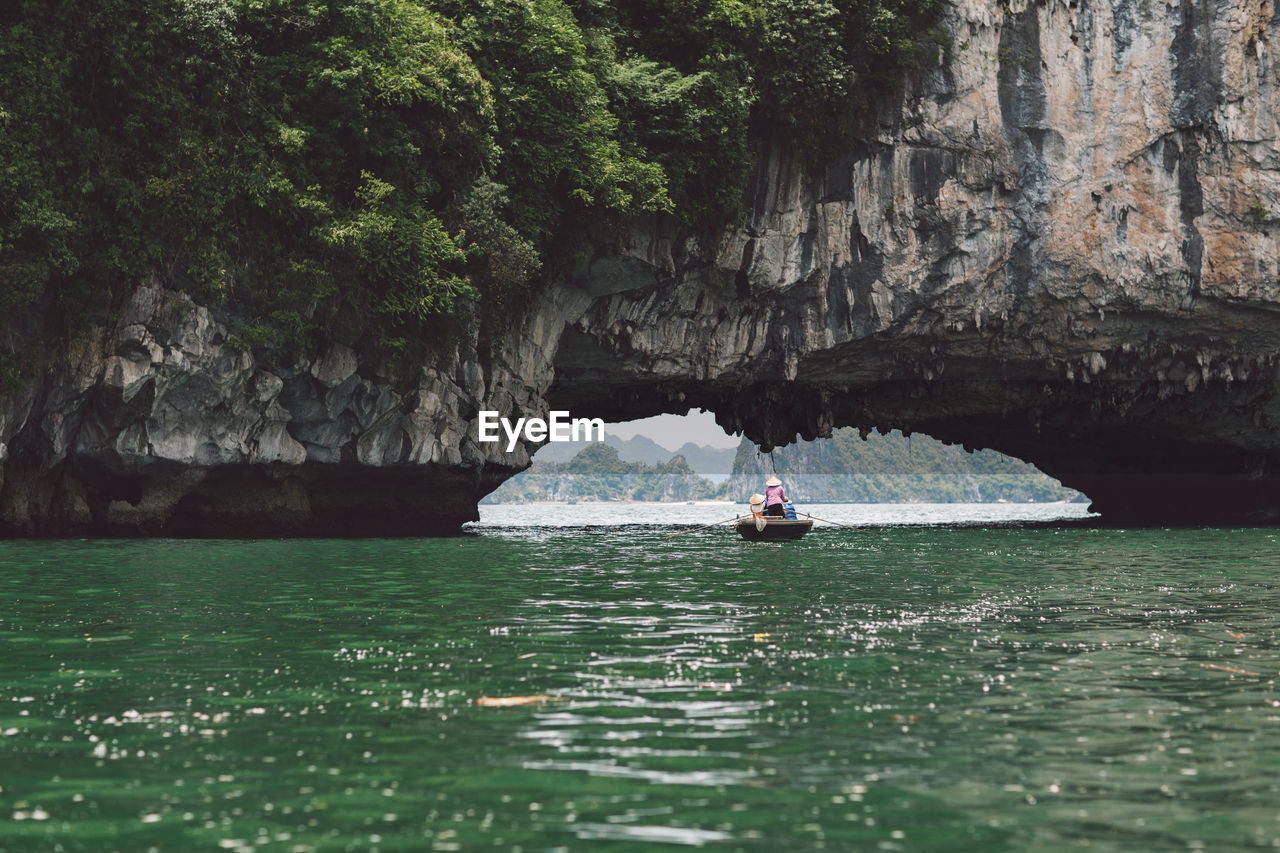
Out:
{"x": 797, "y": 503}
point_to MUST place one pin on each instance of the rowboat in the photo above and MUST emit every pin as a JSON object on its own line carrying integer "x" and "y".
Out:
{"x": 773, "y": 527}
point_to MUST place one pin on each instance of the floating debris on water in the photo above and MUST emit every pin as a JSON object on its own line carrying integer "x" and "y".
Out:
{"x": 1235, "y": 669}
{"x": 511, "y": 701}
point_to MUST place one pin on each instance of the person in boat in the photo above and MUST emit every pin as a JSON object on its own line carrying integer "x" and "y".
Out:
{"x": 774, "y": 497}
{"x": 757, "y": 505}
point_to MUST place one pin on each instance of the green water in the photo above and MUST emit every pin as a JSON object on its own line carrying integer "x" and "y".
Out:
{"x": 921, "y": 689}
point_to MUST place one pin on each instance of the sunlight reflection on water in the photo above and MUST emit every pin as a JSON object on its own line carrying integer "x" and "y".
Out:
{"x": 921, "y": 688}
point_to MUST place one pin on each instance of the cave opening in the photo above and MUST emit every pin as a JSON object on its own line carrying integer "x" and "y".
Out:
{"x": 839, "y": 441}
{"x": 1141, "y": 450}
{"x": 849, "y": 466}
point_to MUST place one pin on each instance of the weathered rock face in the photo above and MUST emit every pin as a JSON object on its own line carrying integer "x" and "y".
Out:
{"x": 1060, "y": 244}
{"x": 160, "y": 425}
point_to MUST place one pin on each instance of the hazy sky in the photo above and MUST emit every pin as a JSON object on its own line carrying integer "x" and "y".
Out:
{"x": 672, "y": 431}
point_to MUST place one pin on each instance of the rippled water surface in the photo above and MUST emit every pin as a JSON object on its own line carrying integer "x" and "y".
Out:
{"x": 910, "y": 688}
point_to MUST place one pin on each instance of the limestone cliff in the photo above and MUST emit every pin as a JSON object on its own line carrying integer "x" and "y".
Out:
{"x": 1060, "y": 243}
{"x": 161, "y": 425}
{"x": 1062, "y": 246}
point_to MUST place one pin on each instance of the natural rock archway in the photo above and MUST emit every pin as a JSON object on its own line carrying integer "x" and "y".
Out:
{"x": 1061, "y": 247}
{"x": 1060, "y": 244}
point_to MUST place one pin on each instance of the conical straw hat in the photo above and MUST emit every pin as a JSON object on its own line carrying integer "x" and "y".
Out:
{"x": 773, "y": 481}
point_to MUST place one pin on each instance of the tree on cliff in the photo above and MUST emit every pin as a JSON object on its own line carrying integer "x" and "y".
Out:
{"x": 294, "y": 159}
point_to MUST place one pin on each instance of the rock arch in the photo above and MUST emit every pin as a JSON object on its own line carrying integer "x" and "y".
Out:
{"x": 1157, "y": 419}
{"x": 1064, "y": 251}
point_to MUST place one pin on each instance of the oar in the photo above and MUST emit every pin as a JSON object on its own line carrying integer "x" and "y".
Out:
{"x": 845, "y": 526}
{"x": 703, "y": 527}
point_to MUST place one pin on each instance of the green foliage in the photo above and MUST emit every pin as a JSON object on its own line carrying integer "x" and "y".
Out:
{"x": 559, "y": 139}
{"x": 506, "y": 259}
{"x": 695, "y": 126}
{"x": 801, "y": 63}
{"x": 1258, "y": 214}
{"x": 13, "y": 372}
{"x": 277, "y": 153}
{"x": 294, "y": 158}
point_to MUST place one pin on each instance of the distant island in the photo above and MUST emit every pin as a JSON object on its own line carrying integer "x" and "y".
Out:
{"x": 598, "y": 473}
{"x": 894, "y": 468}
{"x": 845, "y": 468}
{"x": 702, "y": 459}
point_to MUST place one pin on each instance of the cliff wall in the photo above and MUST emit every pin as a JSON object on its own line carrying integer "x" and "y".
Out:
{"x": 1060, "y": 243}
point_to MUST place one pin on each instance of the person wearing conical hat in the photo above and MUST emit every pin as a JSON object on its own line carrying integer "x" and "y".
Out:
{"x": 774, "y": 497}
{"x": 757, "y": 505}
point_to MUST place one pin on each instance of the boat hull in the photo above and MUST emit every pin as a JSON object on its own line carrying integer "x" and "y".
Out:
{"x": 774, "y": 528}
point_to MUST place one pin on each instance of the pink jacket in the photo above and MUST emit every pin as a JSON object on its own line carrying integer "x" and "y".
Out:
{"x": 774, "y": 495}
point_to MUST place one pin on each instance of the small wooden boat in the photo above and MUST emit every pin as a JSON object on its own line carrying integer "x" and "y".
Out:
{"x": 773, "y": 527}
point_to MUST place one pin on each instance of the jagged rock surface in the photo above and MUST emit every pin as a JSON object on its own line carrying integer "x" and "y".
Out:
{"x": 161, "y": 425}
{"x": 1062, "y": 246}
{"x": 1061, "y": 243}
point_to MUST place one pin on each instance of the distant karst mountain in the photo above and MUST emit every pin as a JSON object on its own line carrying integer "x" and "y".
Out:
{"x": 708, "y": 460}
{"x": 892, "y": 468}
{"x": 703, "y": 459}
{"x": 598, "y": 473}
{"x": 845, "y": 468}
